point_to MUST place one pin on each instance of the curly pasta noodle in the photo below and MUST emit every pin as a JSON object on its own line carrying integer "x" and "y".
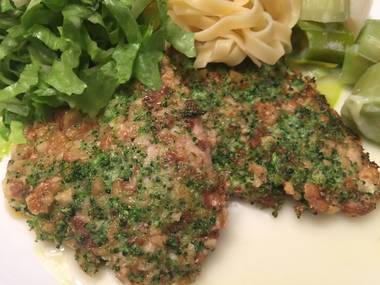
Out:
{"x": 230, "y": 30}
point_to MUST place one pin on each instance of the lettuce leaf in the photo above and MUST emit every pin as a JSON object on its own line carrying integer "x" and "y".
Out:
{"x": 102, "y": 83}
{"x": 11, "y": 41}
{"x": 15, "y": 106}
{"x": 139, "y": 6}
{"x": 6, "y": 5}
{"x": 125, "y": 19}
{"x": 47, "y": 37}
{"x": 28, "y": 78}
{"x": 9, "y": 137}
{"x": 63, "y": 78}
{"x": 16, "y": 135}
{"x": 124, "y": 56}
{"x": 55, "y": 5}
{"x": 181, "y": 40}
{"x": 147, "y": 69}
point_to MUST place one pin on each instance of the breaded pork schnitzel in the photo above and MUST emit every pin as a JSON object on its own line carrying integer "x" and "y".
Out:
{"x": 142, "y": 188}
{"x": 130, "y": 190}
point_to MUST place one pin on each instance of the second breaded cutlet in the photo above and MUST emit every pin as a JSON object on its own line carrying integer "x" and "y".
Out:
{"x": 277, "y": 137}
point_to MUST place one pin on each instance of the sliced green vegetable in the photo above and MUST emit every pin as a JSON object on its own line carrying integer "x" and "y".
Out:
{"x": 354, "y": 65}
{"x": 331, "y": 88}
{"x": 317, "y": 64}
{"x": 327, "y": 80}
{"x": 325, "y": 11}
{"x": 369, "y": 82}
{"x": 361, "y": 111}
{"x": 369, "y": 40}
{"x": 326, "y": 42}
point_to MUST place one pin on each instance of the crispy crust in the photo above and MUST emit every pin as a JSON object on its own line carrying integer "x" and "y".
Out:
{"x": 277, "y": 137}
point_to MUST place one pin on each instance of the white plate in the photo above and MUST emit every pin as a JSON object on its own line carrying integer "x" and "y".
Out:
{"x": 254, "y": 249}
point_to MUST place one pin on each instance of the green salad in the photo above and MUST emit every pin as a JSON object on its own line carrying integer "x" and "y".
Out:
{"x": 78, "y": 52}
